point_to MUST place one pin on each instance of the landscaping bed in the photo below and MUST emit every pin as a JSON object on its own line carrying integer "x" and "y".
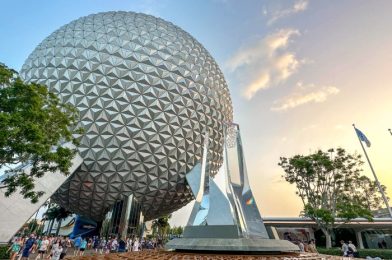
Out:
{"x": 363, "y": 253}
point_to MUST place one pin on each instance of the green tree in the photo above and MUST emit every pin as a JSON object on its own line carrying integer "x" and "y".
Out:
{"x": 176, "y": 231}
{"x": 33, "y": 122}
{"x": 371, "y": 194}
{"x": 331, "y": 186}
{"x": 161, "y": 227}
{"x": 56, "y": 213}
{"x": 32, "y": 226}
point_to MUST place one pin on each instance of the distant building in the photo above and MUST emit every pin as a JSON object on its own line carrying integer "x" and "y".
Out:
{"x": 381, "y": 213}
{"x": 364, "y": 234}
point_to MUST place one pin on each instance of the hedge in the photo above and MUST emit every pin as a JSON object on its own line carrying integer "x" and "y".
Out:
{"x": 3, "y": 252}
{"x": 363, "y": 253}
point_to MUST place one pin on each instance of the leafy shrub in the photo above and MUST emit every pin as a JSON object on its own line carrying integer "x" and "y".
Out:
{"x": 3, "y": 252}
{"x": 363, "y": 253}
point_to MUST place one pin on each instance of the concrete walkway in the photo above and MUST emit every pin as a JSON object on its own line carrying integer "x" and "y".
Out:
{"x": 166, "y": 255}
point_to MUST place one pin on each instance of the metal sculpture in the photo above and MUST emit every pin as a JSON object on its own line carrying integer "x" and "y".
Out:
{"x": 241, "y": 213}
{"x": 226, "y": 219}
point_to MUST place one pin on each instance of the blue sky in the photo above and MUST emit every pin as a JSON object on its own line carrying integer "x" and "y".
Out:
{"x": 300, "y": 72}
{"x": 211, "y": 22}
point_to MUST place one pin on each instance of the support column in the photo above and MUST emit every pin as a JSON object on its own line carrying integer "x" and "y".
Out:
{"x": 273, "y": 232}
{"x": 358, "y": 234}
{"x": 141, "y": 225}
{"x": 126, "y": 209}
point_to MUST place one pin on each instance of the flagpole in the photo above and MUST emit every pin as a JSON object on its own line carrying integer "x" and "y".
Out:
{"x": 374, "y": 174}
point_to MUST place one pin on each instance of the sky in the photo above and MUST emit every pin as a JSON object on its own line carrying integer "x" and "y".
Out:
{"x": 300, "y": 73}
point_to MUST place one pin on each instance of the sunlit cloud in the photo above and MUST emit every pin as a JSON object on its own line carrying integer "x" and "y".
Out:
{"x": 266, "y": 47}
{"x": 261, "y": 82}
{"x": 286, "y": 65}
{"x": 304, "y": 94}
{"x": 299, "y": 6}
{"x": 265, "y": 63}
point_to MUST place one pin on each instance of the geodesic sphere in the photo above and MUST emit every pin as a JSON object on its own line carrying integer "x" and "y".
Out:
{"x": 146, "y": 91}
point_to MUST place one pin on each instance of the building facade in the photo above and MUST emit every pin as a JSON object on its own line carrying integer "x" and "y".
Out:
{"x": 363, "y": 233}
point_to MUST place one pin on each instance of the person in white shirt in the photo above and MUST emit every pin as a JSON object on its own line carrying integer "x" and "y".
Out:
{"x": 344, "y": 247}
{"x": 56, "y": 251}
{"x": 353, "y": 248}
{"x": 43, "y": 248}
{"x": 301, "y": 246}
{"x": 135, "y": 245}
{"x": 113, "y": 245}
{"x": 129, "y": 244}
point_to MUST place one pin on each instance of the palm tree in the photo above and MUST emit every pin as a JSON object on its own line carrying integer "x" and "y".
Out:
{"x": 49, "y": 217}
{"x": 32, "y": 226}
{"x": 162, "y": 226}
{"x": 46, "y": 204}
{"x": 57, "y": 213}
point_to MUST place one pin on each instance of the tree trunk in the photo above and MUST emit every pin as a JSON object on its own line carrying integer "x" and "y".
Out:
{"x": 35, "y": 218}
{"x": 328, "y": 243}
{"x": 47, "y": 229}
{"x": 50, "y": 227}
{"x": 58, "y": 227}
{"x": 328, "y": 240}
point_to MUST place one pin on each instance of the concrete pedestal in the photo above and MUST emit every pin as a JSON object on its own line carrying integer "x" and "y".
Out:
{"x": 240, "y": 245}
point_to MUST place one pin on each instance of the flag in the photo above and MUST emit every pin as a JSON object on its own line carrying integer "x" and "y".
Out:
{"x": 362, "y": 137}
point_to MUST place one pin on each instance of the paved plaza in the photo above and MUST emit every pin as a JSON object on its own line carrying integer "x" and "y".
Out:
{"x": 117, "y": 130}
{"x": 165, "y": 255}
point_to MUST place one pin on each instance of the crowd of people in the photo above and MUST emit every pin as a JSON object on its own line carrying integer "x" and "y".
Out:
{"x": 309, "y": 246}
{"x": 55, "y": 248}
{"x": 348, "y": 249}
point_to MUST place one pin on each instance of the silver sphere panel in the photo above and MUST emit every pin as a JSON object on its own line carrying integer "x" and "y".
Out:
{"x": 146, "y": 91}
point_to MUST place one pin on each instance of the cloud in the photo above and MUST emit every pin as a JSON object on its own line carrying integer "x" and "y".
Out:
{"x": 261, "y": 49}
{"x": 260, "y": 83}
{"x": 286, "y": 65}
{"x": 298, "y": 7}
{"x": 304, "y": 94}
{"x": 266, "y": 62}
